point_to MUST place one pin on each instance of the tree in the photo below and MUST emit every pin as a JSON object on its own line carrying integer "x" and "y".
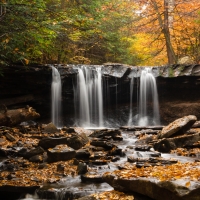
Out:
{"x": 170, "y": 21}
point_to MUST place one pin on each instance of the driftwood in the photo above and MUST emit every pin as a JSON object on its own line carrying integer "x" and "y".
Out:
{"x": 16, "y": 116}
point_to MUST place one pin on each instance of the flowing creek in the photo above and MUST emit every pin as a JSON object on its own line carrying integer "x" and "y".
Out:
{"x": 78, "y": 188}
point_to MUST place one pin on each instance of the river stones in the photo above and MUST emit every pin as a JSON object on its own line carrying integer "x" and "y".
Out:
{"x": 74, "y": 141}
{"x": 60, "y": 153}
{"x": 180, "y": 125}
{"x": 50, "y": 128}
{"x": 92, "y": 177}
{"x": 107, "y": 134}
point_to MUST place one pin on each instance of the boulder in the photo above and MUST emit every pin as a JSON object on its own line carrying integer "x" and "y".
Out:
{"x": 50, "y": 128}
{"x": 179, "y": 126}
{"x": 167, "y": 144}
{"x": 155, "y": 188}
{"x": 60, "y": 153}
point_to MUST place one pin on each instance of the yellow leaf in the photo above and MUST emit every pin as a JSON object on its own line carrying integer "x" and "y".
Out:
{"x": 26, "y": 61}
{"x": 188, "y": 184}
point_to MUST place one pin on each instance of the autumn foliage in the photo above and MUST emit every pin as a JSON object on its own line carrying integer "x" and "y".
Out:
{"x": 141, "y": 32}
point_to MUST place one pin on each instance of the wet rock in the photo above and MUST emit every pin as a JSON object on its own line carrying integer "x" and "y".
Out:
{"x": 196, "y": 124}
{"x": 15, "y": 192}
{"x": 36, "y": 159}
{"x": 179, "y": 126}
{"x": 105, "y": 133}
{"x": 102, "y": 143}
{"x": 167, "y": 144}
{"x": 115, "y": 69}
{"x": 146, "y": 162}
{"x": 10, "y": 137}
{"x": 60, "y": 153}
{"x": 155, "y": 188}
{"x": 42, "y": 165}
{"x": 60, "y": 167}
{"x": 82, "y": 168}
{"x": 139, "y": 128}
{"x": 82, "y": 154}
{"x": 98, "y": 154}
{"x": 30, "y": 153}
{"x": 55, "y": 193}
{"x": 99, "y": 162}
{"x": 74, "y": 141}
{"x": 143, "y": 148}
{"x": 92, "y": 177}
{"x": 3, "y": 152}
{"x": 115, "y": 159}
{"x": 116, "y": 151}
{"x": 50, "y": 128}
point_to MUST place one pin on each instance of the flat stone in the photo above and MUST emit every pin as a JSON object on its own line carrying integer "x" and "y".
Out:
{"x": 60, "y": 153}
{"x": 154, "y": 188}
{"x": 179, "y": 126}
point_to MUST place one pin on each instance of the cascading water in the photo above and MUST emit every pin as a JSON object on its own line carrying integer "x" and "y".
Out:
{"x": 89, "y": 97}
{"x": 147, "y": 97}
{"x": 148, "y": 113}
{"x": 56, "y": 89}
{"x": 131, "y": 101}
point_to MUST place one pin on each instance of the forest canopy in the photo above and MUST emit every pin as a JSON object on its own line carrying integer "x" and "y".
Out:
{"x": 135, "y": 32}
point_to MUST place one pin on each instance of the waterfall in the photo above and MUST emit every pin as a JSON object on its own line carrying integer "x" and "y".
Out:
{"x": 148, "y": 99}
{"x": 56, "y": 89}
{"x": 89, "y": 97}
{"x": 131, "y": 102}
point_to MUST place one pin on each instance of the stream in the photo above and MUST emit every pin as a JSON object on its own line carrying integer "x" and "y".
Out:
{"x": 79, "y": 189}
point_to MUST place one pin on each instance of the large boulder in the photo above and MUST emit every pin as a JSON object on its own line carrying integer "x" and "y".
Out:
{"x": 158, "y": 182}
{"x": 179, "y": 126}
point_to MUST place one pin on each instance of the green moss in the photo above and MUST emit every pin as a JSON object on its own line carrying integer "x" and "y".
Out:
{"x": 171, "y": 72}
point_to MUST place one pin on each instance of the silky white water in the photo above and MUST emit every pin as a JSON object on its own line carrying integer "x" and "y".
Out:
{"x": 89, "y": 97}
{"x": 131, "y": 102}
{"x": 148, "y": 99}
{"x": 147, "y": 111}
{"x": 56, "y": 89}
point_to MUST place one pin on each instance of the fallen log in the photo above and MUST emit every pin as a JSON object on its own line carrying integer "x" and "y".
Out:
{"x": 16, "y": 116}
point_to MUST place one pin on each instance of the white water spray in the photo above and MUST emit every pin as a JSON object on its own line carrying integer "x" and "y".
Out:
{"x": 56, "y": 89}
{"x": 89, "y": 97}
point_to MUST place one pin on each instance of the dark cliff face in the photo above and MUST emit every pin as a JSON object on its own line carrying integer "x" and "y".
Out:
{"x": 178, "y": 89}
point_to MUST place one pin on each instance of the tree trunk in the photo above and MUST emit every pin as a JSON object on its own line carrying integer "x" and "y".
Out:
{"x": 16, "y": 116}
{"x": 170, "y": 51}
{"x": 164, "y": 25}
